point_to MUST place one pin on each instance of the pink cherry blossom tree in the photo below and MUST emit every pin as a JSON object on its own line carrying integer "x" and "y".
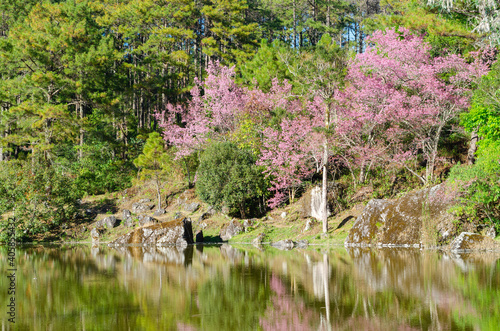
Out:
{"x": 400, "y": 99}
{"x": 208, "y": 116}
{"x": 282, "y": 123}
{"x": 293, "y": 151}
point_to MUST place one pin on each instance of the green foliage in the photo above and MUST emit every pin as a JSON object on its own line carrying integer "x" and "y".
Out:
{"x": 155, "y": 163}
{"x": 484, "y": 115}
{"x": 480, "y": 184}
{"x": 446, "y": 33}
{"x": 37, "y": 194}
{"x": 228, "y": 176}
{"x": 154, "y": 158}
{"x": 266, "y": 65}
{"x": 481, "y": 181}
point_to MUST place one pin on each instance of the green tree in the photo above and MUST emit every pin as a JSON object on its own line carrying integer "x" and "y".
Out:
{"x": 266, "y": 66}
{"x": 446, "y": 33}
{"x": 480, "y": 182}
{"x": 155, "y": 162}
{"x": 40, "y": 196}
{"x": 228, "y": 176}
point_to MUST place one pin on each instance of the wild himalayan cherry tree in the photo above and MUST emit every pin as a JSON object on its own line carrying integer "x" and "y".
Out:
{"x": 293, "y": 150}
{"x": 282, "y": 124}
{"x": 208, "y": 116}
{"x": 398, "y": 91}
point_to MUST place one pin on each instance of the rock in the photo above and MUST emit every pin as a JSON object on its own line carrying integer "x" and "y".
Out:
{"x": 258, "y": 240}
{"x": 177, "y": 215}
{"x": 144, "y": 200}
{"x": 285, "y": 245}
{"x": 178, "y": 232}
{"x": 467, "y": 241}
{"x": 248, "y": 223}
{"x": 139, "y": 207}
{"x": 199, "y": 236}
{"x": 203, "y": 217}
{"x": 311, "y": 204}
{"x": 491, "y": 232}
{"x": 126, "y": 214}
{"x": 309, "y": 224}
{"x": 191, "y": 207}
{"x": 159, "y": 212}
{"x": 283, "y": 215}
{"x": 230, "y": 230}
{"x": 302, "y": 244}
{"x": 211, "y": 211}
{"x": 225, "y": 210}
{"x": 128, "y": 222}
{"x": 146, "y": 220}
{"x": 107, "y": 222}
{"x": 96, "y": 234}
{"x": 407, "y": 221}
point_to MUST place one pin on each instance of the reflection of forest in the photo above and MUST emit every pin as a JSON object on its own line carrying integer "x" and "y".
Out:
{"x": 226, "y": 288}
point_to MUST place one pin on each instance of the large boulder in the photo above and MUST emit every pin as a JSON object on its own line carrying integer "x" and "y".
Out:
{"x": 107, "y": 222}
{"x": 146, "y": 220}
{"x": 178, "y": 232}
{"x": 467, "y": 241}
{"x": 258, "y": 240}
{"x": 412, "y": 220}
{"x": 191, "y": 207}
{"x": 230, "y": 230}
{"x": 126, "y": 214}
{"x": 142, "y": 206}
{"x": 128, "y": 222}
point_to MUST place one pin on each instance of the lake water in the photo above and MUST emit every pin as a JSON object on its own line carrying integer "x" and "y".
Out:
{"x": 223, "y": 287}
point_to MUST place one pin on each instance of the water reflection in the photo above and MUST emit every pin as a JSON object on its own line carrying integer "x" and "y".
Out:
{"x": 225, "y": 287}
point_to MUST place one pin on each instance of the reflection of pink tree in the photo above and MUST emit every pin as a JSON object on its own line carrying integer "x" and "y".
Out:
{"x": 286, "y": 313}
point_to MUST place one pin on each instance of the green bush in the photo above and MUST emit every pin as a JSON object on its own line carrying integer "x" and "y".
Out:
{"x": 98, "y": 170}
{"x": 227, "y": 176}
{"x": 37, "y": 195}
{"x": 480, "y": 184}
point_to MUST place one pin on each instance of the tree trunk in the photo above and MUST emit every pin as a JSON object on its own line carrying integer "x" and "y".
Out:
{"x": 471, "y": 153}
{"x": 328, "y": 13}
{"x": 157, "y": 182}
{"x": 294, "y": 25}
{"x": 324, "y": 204}
{"x": 190, "y": 185}
{"x": 242, "y": 209}
{"x": 80, "y": 113}
{"x": 431, "y": 162}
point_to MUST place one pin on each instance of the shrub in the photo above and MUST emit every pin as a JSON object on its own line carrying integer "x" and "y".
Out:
{"x": 480, "y": 184}
{"x": 37, "y": 195}
{"x": 227, "y": 176}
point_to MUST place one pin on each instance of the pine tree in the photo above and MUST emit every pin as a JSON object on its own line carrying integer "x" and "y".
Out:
{"x": 154, "y": 163}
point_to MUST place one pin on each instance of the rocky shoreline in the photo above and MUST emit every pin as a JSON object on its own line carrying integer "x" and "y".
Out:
{"x": 419, "y": 219}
